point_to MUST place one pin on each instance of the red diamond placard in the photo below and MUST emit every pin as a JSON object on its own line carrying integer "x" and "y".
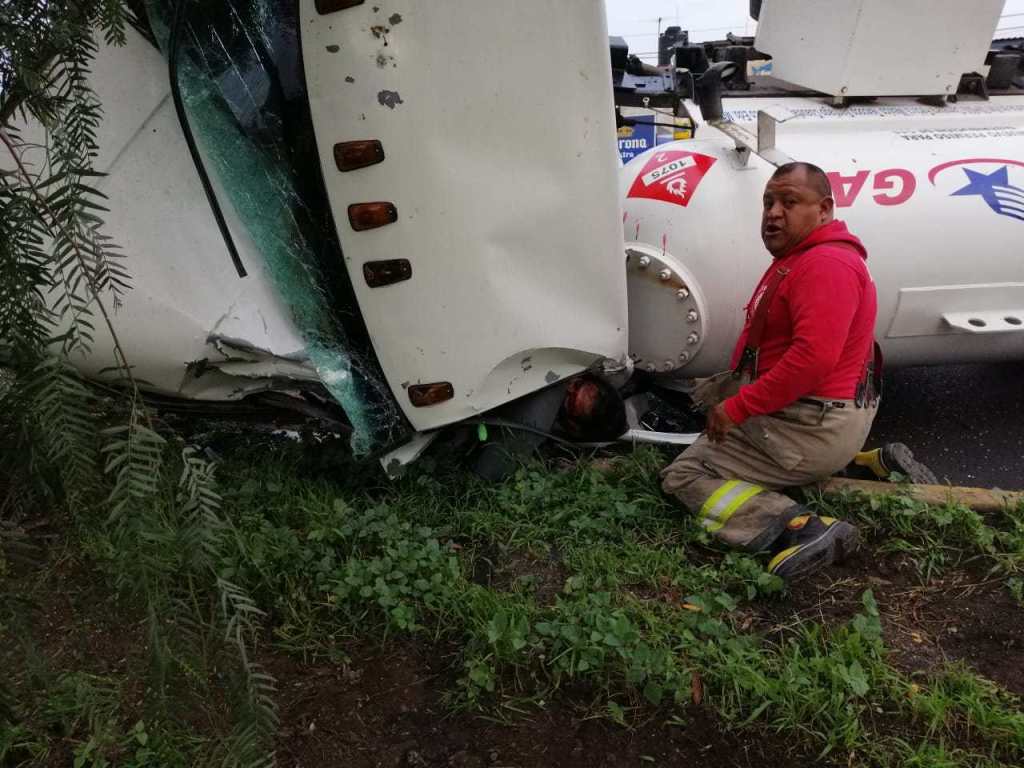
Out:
{"x": 671, "y": 176}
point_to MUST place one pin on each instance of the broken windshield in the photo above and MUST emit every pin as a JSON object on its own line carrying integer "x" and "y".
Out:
{"x": 242, "y": 84}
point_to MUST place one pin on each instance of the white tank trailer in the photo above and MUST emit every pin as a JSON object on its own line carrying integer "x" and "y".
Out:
{"x": 935, "y": 193}
{"x": 933, "y": 185}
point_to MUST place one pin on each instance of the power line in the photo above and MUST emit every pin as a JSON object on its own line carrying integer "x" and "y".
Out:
{"x": 650, "y": 21}
{"x": 711, "y": 29}
{"x": 691, "y": 31}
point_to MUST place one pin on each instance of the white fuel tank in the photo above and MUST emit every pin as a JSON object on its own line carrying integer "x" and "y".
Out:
{"x": 935, "y": 193}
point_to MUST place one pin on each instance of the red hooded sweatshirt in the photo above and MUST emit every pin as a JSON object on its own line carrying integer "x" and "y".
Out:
{"x": 820, "y": 327}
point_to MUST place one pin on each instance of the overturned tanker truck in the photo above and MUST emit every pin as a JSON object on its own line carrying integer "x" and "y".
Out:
{"x": 408, "y": 217}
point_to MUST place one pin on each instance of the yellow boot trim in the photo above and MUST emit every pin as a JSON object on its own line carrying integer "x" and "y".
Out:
{"x": 785, "y": 554}
{"x": 873, "y": 461}
{"x": 798, "y": 522}
{"x": 782, "y": 557}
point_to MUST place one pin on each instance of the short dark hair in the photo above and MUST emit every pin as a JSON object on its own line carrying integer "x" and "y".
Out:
{"x": 816, "y": 177}
{"x": 593, "y": 410}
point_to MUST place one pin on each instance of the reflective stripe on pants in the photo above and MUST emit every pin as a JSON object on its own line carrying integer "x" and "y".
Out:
{"x": 723, "y": 503}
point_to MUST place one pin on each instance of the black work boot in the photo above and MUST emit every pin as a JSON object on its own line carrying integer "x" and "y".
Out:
{"x": 811, "y": 543}
{"x": 896, "y": 457}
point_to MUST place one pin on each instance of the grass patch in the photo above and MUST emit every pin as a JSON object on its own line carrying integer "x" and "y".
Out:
{"x": 937, "y": 538}
{"x": 562, "y": 581}
{"x": 646, "y": 613}
{"x": 78, "y": 719}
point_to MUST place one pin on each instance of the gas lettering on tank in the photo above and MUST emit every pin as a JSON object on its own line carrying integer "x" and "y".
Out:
{"x": 892, "y": 186}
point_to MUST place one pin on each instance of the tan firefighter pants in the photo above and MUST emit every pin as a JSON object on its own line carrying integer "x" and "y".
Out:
{"x": 731, "y": 485}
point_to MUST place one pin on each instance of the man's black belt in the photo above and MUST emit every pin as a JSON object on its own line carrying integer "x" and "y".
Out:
{"x": 820, "y": 403}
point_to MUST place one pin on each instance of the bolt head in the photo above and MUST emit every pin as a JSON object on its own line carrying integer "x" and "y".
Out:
{"x": 684, "y": 357}
{"x": 665, "y": 274}
{"x": 691, "y": 316}
{"x": 682, "y": 294}
{"x": 669, "y": 365}
{"x": 693, "y": 338}
{"x": 645, "y": 262}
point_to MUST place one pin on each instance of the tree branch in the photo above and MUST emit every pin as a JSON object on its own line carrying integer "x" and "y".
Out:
{"x": 57, "y": 226}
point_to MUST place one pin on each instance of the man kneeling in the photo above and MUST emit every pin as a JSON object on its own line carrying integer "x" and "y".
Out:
{"x": 800, "y": 401}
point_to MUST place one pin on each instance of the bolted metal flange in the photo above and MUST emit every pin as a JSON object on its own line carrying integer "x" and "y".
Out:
{"x": 667, "y": 314}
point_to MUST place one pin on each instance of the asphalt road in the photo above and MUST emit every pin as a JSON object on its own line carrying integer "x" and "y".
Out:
{"x": 966, "y": 422}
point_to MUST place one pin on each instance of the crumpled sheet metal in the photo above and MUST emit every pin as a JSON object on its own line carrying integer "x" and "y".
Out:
{"x": 239, "y": 109}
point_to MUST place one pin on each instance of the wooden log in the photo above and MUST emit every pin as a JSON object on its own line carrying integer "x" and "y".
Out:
{"x": 980, "y": 499}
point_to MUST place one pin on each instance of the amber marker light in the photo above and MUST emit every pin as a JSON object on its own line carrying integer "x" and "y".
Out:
{"x": 423, "y": 395}
{"x": 388, "y": 272}
{"x": 353, "y": 155}
{"x": 364, "y": 216}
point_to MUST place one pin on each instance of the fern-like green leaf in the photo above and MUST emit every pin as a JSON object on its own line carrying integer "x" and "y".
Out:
{"x": 63, "y": 415}
{"x": 134, "y": 456}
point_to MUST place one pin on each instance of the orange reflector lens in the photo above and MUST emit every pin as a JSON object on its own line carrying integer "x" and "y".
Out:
{"x": 330, "y": 6}
{"x": 371, "y": 215}
{"x": 381, "y": 273}
{"x": 423, "y": 395}
{"x": 352, "y": 155}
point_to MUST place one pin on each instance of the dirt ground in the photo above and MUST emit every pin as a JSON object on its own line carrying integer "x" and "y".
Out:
{"x": 385, "y": 709}
{"x": 387, "y": 706}
{"x": 962, "y": 616}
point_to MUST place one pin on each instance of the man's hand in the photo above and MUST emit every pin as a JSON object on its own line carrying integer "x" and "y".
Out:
{"x": 718, "y": 424}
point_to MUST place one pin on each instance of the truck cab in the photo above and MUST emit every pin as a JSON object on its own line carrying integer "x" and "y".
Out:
{"x": 409, "y": 213}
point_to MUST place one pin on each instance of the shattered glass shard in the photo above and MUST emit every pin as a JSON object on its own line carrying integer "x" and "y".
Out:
{"x": 242, "y": 83}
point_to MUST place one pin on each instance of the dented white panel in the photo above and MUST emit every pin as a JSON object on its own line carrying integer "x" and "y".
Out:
{"x": 186, "y": 292}
{"x": 497, "y": 124}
